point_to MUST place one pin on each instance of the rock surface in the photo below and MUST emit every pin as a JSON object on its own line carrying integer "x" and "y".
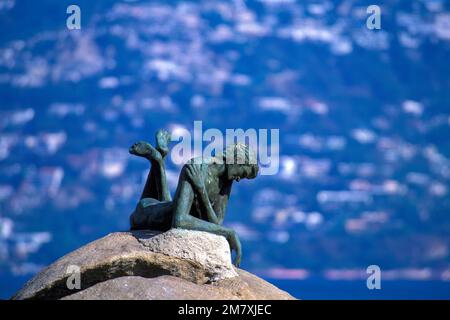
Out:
{"x": 177, "y": 264}
{"x": 209, "y": 250}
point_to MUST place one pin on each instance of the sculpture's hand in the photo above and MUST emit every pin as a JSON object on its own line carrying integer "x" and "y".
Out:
{"x": 194, "y": 175}
{"x": 237, "y": 259}
{"x": 235, "y": 245}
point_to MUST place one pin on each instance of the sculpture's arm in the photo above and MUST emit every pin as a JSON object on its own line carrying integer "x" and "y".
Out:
{"x": 220, "y": 207}
{"x": 207, "y": 207}
{"x": 193, "y": 173}
{"x": 163, "y": 180}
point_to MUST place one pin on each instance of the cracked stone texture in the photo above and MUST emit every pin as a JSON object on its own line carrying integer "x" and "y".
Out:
{"x": 178, "y": 264}
{"x": 244, "y": 287}
{"x": 209, "y": 250}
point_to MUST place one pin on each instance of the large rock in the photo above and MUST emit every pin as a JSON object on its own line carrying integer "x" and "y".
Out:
{"x": 209, "y": 250}
{"x": 177, "y": 264}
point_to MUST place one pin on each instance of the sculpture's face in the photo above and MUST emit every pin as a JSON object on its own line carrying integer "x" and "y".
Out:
{"x": 241, "y": 171}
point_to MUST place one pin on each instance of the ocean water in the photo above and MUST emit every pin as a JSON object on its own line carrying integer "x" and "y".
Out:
{"x": 321, "y": 289}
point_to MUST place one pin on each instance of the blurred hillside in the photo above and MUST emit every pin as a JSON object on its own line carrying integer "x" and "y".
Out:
{"x": 364, "y": 119}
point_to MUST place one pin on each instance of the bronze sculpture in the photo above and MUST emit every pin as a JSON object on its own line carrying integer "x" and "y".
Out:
{"x": 202, "y": 193}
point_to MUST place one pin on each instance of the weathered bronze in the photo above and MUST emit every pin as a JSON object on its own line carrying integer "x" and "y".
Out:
{"x": 202, "y": 193}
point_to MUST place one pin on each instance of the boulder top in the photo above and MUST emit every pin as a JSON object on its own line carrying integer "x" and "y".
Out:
{"x": 177, "y": 264}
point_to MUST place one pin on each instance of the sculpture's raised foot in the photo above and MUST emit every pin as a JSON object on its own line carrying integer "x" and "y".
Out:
{"x": 162, "y": 142}
{"x": 146, "y": 150}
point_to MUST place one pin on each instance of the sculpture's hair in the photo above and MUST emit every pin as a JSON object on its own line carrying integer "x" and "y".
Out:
{"x": 241, "y": 154}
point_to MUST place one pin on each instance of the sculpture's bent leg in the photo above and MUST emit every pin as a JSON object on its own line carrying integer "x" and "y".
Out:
{"x": 156, "y": 186}
{"x": 154, "y": 210}
{"x": 152, "y": 214}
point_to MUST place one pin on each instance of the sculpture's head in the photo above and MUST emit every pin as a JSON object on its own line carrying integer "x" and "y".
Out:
{"x": 240, "y": 162}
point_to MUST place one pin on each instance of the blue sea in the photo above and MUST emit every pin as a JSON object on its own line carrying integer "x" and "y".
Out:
{"x": 320, "y": 289}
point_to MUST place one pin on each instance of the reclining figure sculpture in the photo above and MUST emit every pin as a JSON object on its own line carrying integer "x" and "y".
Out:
{"x": 202, "y": 193}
